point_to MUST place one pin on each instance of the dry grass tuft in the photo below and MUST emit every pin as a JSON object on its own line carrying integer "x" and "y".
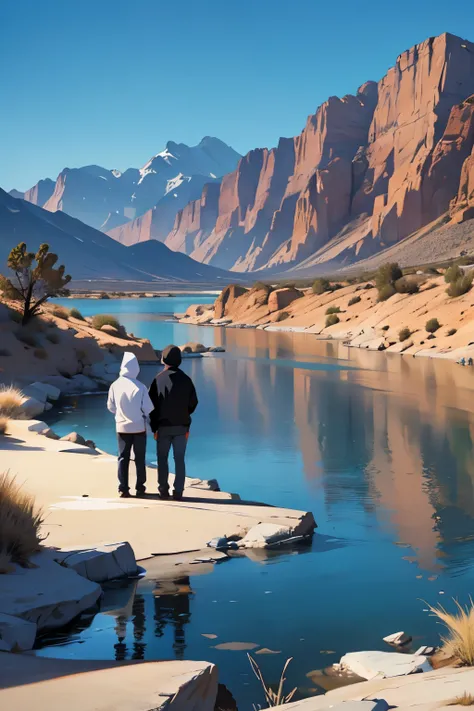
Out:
{"x": 459, "y": 642}
{"x": 464, "y": 700}
{"x": 60, "y": 311}
{"x": 273, "y": 698}
{"x": 20, "y": 523}
{"x": 3, "y": 425}
{"x": 10, "y": 401}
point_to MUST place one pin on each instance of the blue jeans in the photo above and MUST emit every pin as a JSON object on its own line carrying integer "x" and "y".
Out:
{"x": 163, "y": 445}
{"x": 126, "y": 441}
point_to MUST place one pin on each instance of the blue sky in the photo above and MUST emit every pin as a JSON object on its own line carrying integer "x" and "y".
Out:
{"x": 110, "y": 81}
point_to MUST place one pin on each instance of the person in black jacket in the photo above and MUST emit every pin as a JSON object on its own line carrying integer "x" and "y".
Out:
{"x": 174, "y": 397}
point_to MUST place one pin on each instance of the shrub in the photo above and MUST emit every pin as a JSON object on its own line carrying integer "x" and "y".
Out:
{"x": 432, "y": 325}
{"x": 385, "y": 328}
{"x": 331, "y": 320}
{"x": 20, "y": 523}
{"x": 282, "y": 316}
{"x": 386, "y": 292}
{"x": 260, "y": 286}
{"x": 60, "y": 312}
{"x": 27, "y": 338}
{"x": 273, "y": 698}
{"x": 354, "y": 300}
{"x": 53, "y": 338}
{"x": 406, "y": 286}
{"x": 404, "y": 334}
{"x": 333, "y": 310}
{"x": 459, "y": 643}
{"x": 452, "y": 331}
{"x": 3, "y": 425}
{"x": 387, "y": 274}
{"x": 10, "y": 401}
{"x": 453, "y": 273}
{"x": 320, "y": 286}
{"x": 40, "y": 353}
{"x": 465, "y": 700}
{"x": 460, "y": 286}
{"x": 100, "y": 320}
{"x": 103, "y": 295}
{"x": 75, "y": 313}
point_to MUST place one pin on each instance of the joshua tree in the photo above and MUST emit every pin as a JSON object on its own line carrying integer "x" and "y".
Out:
{"x": 33, "y": 284}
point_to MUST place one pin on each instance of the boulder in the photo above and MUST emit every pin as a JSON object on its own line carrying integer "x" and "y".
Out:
{"x": 51, "y": 391}
{"x": 225, "y": 300}
{"x": 216, "y": 349}
{"x": 384, "y": 665}
{"x": 32, "y": 407}
{"x": 194, "y": 348}
{"x": 111, "y": 330}
{"x": 266, "y": 535}
{"x": 16, "y": 634}
{"x": 281, "y": 298}
{"x": 47, "y": 594}
{"x": 35, "y": 393}
{"x": 108, "y": 562}
{"x": 398, "y": 639}
{"x": 74, "y": 437}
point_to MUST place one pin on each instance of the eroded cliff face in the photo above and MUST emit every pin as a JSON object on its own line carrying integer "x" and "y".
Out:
{"x": 378, "y": 166}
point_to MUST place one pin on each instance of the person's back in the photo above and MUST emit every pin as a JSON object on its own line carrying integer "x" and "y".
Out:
{"x": 174, "y": 398}
{"x": 129, "y": 401}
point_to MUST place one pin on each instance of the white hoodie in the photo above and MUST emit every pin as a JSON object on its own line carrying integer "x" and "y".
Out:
{"x": 128, "y": 398}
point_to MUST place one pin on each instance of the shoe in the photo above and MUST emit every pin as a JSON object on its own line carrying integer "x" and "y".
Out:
{"x": 124, "y": 494}
{"x": 141, "y": 494}
{"x": 177, "y": 496}
{"x": 163, "y": 494}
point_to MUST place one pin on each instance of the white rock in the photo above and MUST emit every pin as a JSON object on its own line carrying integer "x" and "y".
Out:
{"x": 384, "y": 665}
{"x": 34, "y": 392}
{"x": 16, "y": 634}
{"x": 109, "y": 562}
{"x": 32, "y": 407}
{"x": 49, "y": 594}
{"x": 398, "y": 639}
{"x": 265, "y": 535}
{"x": 51, "y": 391}
{"x": 427, "y": 651}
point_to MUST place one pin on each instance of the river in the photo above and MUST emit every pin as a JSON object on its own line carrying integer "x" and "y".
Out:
{"x": 377, "y": 446}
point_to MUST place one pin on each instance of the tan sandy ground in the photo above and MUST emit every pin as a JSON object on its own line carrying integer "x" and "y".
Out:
{"x": 76, "y": 487}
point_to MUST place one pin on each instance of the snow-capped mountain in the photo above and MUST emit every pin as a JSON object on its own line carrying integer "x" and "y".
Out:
{"x": 106, "y": 199}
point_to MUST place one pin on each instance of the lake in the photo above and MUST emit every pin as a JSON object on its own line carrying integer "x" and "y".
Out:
{"x": 378, "y": 446}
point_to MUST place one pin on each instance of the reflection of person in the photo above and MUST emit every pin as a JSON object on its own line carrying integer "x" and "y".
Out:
{"x": 174, "y": 398}
{"x": 129, "y": 401}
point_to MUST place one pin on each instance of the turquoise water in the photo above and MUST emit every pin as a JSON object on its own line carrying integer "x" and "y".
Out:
{"x": 380, "y": 448}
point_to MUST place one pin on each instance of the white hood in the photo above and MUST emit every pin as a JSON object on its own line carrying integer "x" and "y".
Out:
{"x": 130, "y": 366}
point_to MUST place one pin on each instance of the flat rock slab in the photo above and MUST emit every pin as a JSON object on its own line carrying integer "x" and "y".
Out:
{"x": 148, "y": 686}
{"x": 384, "y": 665}
{"x": 109, "y": 562}
{"x": 48, "y": 595}
{"x": 16, "y": 634}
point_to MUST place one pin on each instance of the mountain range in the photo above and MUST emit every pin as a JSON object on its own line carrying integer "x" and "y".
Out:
{"x": 383, "y": 167}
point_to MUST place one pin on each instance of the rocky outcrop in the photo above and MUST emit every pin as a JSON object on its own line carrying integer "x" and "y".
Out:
{"x": 226, "y": 299}
{"x": 367, "y": 171}
{"x": 281, "y": 298}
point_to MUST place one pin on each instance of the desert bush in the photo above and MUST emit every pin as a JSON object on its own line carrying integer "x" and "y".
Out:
{"x": 432, "y": 270}
{"x": 387, "y": 274}
{"x": 453, "y": 273}
{"x": 4, "y": 352}
{"x": 20, "y": 523}
{"x": 333, "y": 310}
{"x": 10, "y": 401}
{"x": 459, "y": 642}
{"x": 3, "y": 425}
{"x": 406, "y": 286}
{"x": 404, "y": 334}
{"x": 465, "y": 700}
{"x": 320, "y": 286}
{"x": 27, "y": 338}
{"x": 331, "y": 320}
{"x": 273, "y": 698}
{"x": 40, "y": 353}
{"x": 386, "y": 327}
{"x": 354, "y": 300}
{"x": 452, "y": 331}
{"x": 60, "y": 312}
{"x": 53, "y": 338}
{"x": 104, "y": 295}
{"x": 100, "y": 320}
{"x": 386, "y": 292}
{"x": 282, "y": 316}
{"x": 260, "y": 286}
{"x": 75, "y": 313}
{"x": 432, "y": 325}
{"x": 460, "y": 286}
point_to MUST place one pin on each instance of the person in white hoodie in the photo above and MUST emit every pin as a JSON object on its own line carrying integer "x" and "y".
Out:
{"x": 130, "y": 403}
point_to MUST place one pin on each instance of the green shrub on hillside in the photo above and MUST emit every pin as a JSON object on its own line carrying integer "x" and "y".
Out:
{"x": 104, "y": 295}
{"x": 386, "y": 327}
{"x": 452, "y": 331}
{"x": 333, "y": 310}
{"x": 460, "y": 286}
{"x": 100, "y": 320}
{"x": 331, "y": 320}
{"x": 354, "y": 300}
{"x": 404, "y": 334}
{"x": 387, "y": 274}
{"x": 260, "y": 286}
{"x": 27, "y": 338}
{"x": 432, "y": 325}
{"x": 75, "y": 313}
{"x": 320, "y": 286}
{"x": 60, "y": 311}
{"x": 386, "y": 292}
{"x": 406, "y": 286}
{"x": 453, "y": 273}
{"x": 282, "y": 316}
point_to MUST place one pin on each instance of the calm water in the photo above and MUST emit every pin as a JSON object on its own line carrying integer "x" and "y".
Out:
{"x": 379, "y": 447}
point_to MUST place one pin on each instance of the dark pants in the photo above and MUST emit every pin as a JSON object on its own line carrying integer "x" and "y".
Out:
{"x": 125, "y": 443}
{"x": 163, "y": 445}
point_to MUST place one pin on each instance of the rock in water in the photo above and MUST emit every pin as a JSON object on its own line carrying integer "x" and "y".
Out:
{"x": 398, "y": 639}
{"x": 384, "y": 665}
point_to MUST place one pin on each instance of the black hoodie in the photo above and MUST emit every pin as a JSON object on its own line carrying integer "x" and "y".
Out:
{"x": 174, "y": 397}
